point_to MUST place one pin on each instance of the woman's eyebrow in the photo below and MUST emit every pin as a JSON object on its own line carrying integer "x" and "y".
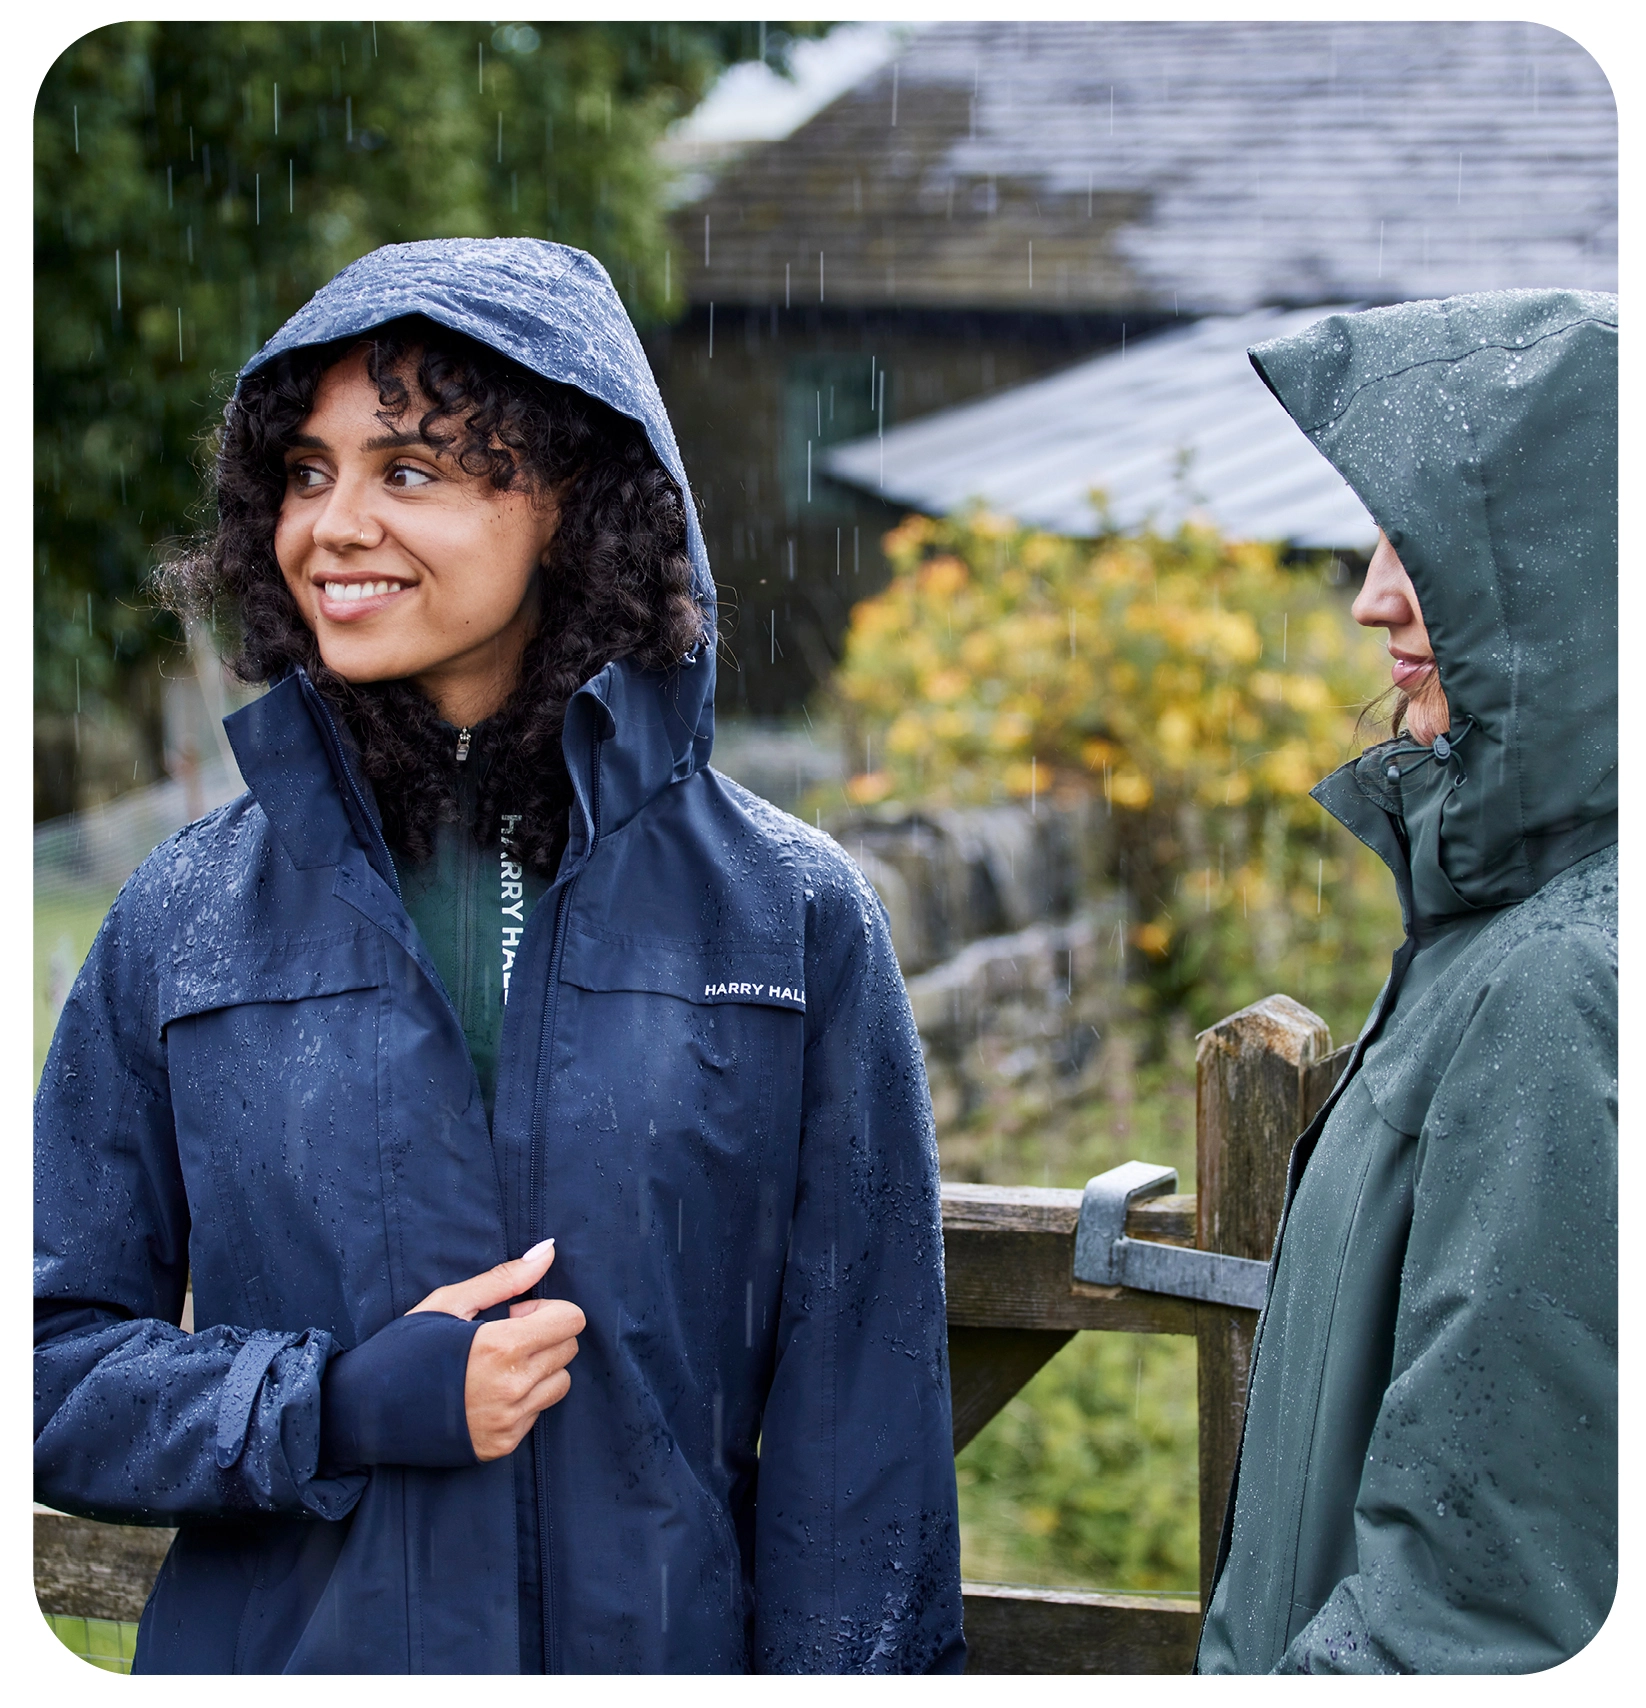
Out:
{"x": 383, "y": 442}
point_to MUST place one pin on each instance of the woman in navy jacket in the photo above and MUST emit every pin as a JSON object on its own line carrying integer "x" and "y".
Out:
{"x": 292, "y": 1071}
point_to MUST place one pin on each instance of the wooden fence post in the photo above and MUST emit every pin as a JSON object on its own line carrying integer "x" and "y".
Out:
{"x": 1260, "y": 1075}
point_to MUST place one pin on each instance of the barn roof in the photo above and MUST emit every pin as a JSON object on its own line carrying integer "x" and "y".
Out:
{"x": 1179, "y": 424}
{"x": 1198, "y": 167}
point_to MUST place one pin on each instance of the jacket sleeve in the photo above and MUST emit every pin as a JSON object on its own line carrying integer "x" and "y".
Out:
{"x": 136, "y": 1421}
{"x": 1486, "y": 1519}
{"x": 857, "y": 1549}
{"x": 399, "y": 1397}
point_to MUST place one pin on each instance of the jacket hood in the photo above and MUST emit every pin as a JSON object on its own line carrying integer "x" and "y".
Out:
{"x": 1480, "y": 432}
{"x": 555, "y": 311}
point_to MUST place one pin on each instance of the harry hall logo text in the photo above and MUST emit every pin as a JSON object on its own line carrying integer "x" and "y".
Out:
{"x": 774, "y": 992}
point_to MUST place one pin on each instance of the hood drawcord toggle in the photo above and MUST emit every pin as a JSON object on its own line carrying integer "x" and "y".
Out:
{"x": 1442, "y": 752}
{"x": 462, "y": 745}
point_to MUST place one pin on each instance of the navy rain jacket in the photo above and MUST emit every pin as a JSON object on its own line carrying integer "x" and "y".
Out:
{"x": 710, "y": 1093}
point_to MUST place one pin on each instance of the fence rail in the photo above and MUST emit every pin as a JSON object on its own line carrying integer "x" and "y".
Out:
{"x": 1013, "y": 1303}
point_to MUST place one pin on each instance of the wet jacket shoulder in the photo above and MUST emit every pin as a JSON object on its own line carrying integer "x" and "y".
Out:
{"x": 1544, "y": 971}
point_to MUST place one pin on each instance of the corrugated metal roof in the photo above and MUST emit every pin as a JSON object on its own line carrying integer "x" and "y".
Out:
{"x": 1177, "y": 425}
{"x": 1206, "y": 167}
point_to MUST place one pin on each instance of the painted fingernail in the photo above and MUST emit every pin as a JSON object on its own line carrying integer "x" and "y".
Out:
{"x": 541, "y": 1249}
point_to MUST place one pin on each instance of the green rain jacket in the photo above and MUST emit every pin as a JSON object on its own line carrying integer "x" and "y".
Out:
{"x": 1428, "y": 1480}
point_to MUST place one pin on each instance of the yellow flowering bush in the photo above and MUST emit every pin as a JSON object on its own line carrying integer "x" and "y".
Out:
{"x": 1197, "y": 686}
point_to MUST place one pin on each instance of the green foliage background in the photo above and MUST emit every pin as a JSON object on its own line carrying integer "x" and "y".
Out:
{"x": 1199, "y": 687}
{"x": 1090, "y": 1474}
{"x": 197, "y": 182}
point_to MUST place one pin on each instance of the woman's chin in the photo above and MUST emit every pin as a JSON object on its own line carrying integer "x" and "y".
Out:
{"x": 361, "y": 666}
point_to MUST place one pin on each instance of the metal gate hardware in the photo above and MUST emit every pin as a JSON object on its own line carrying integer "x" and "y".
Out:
{"x": 1105, "y": 1257}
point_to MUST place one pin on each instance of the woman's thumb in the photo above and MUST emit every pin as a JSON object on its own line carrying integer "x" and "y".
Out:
{"x": 506, "y": 1280}
{"x": 511, "y": 1278}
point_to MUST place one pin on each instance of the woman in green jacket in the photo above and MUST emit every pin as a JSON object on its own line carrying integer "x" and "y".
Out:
{"x": 1428, "y": 1481}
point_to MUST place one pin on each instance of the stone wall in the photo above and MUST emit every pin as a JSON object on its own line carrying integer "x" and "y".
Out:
{"x": 1024, "y": 1011}
{"x": 949, "y": 877}
{"x": 1012, "y": 948}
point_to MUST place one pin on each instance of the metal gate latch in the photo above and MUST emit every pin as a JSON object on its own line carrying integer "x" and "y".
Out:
{"x": 1104, "y": 1256}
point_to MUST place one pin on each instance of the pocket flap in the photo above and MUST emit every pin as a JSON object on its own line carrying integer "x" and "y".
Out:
{"x": 724, "y": 970}
{"x": 288, "y": 971}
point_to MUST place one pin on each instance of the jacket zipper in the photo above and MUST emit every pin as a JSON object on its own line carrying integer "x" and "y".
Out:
{"x": 340, "y": 759}
{"x": 468, "y": 862}
{"x": 545, "y": 1533}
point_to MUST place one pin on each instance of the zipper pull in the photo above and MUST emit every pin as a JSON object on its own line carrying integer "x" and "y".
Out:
{"x": 462, "y": 745}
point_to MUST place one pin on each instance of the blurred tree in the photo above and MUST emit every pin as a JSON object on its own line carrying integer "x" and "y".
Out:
{"x": 1198, "y": 686}
{"x": 196, "y": 182}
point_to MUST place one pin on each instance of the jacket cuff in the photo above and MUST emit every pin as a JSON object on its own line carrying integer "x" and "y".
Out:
{"x": 397, "y": 1397}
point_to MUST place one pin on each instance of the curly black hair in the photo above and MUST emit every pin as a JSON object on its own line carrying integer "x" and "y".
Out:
{"x": 617, "y": 584}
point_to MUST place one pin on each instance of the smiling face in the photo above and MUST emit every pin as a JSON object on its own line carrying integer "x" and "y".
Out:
{"x": 405, "y": 566}
{"x": 1387, "y": 600}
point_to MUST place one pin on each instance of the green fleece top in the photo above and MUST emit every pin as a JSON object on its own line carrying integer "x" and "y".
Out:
{"x": 1428, "y": 1478}
{"x": 470, "y": 904}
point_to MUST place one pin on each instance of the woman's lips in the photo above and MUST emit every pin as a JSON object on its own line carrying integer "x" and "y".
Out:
{"x": 350, "y": 601}
{"x": 1408, "y": 672}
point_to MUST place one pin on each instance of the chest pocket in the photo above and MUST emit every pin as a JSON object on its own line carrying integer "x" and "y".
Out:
{"x": 274, "y": 1061}
{"x": 763, "y": 975}
{"x": 672, "y": 1049}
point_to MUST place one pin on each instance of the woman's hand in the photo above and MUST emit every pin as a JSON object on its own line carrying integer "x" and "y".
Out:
{"x": 516, "y": 1368}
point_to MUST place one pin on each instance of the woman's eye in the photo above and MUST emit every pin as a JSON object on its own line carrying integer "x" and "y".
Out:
{"x": 305, "y": 479}
{"x": 409, "y": 475}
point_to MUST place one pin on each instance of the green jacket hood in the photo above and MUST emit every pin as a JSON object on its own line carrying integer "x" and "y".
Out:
{"x": 1480, "y": 432}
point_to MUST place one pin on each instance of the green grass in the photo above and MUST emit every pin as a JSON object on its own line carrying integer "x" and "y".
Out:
{"x": 63, "y": 931}
{"x": 1089, "y": 1478}
{"x": 106, "y": 1643}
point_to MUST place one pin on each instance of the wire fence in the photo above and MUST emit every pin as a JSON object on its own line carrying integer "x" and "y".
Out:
{"x": 98, "y": 849}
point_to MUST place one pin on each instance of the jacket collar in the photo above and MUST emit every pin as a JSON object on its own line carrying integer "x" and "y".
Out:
{"x": 1358, "y": 796}
{"x": 284, "y": 754}
{"x": 1357, "y": 805}
{"x": 629, "y": 733}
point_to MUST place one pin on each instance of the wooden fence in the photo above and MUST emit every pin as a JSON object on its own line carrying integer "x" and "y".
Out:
{"x": 1260, "y": 1076}
{"x": 1012, "y": 1303}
